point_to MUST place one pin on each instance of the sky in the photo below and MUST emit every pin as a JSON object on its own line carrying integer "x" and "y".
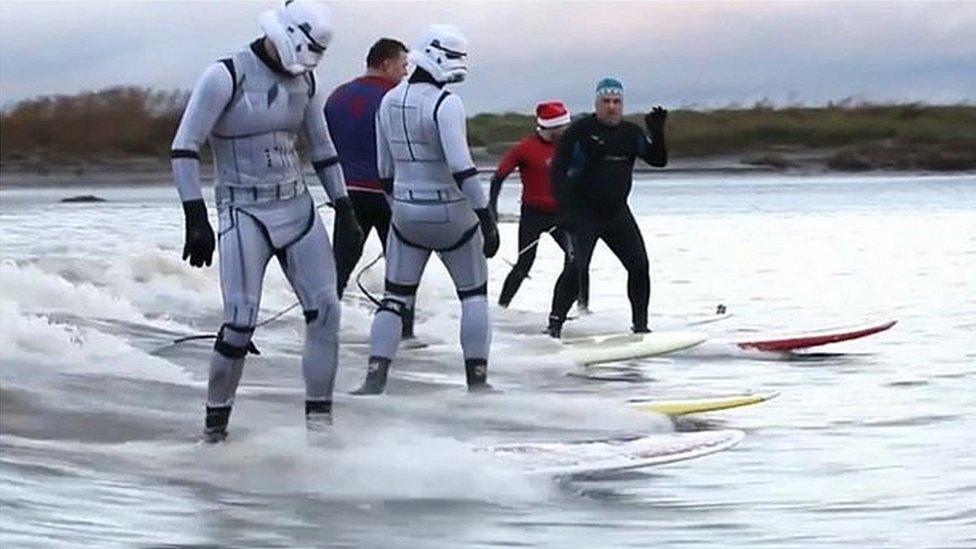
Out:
{"x": 677, "y": 54}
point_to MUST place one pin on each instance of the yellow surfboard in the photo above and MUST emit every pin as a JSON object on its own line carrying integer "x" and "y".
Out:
{"x": 680, "y": 407}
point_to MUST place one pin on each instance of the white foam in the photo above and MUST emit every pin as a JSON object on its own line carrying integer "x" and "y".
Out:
{"x": 514, "y": 410}
{"x": 395, "y": 460}
{"x": 33, "y": 289}
{"x": 35, "y": 340}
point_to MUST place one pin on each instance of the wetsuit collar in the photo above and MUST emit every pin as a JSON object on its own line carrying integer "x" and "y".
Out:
{"x": 422, "y": 76}
{"x": 376, "y": 80}
{"x": 602, "y": 124}
{"x": 258, "y": 48}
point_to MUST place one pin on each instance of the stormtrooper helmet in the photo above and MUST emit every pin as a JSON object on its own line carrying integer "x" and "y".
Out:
{"x": 442, "y": 51}
{"x": 301, "y": 31}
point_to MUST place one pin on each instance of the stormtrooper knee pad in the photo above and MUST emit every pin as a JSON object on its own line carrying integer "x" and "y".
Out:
{"x": 232, "y": 345}
{"x": 480, "y": 291}
{"x": 384, "y": 336}
{"x": 323, "y": 320}
{"x": 234, "y": 342}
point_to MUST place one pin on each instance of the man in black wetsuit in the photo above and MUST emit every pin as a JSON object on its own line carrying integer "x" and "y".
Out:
{"x": 592, "y": 173}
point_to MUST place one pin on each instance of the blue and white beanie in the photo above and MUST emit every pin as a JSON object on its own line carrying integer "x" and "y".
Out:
{"x": 609, "y": 86}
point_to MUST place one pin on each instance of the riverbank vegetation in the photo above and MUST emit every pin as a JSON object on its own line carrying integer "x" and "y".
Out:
{"x": 128, "y": 126}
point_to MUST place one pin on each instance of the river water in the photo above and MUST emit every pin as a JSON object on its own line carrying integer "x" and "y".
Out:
{"x": 869, "y": 445}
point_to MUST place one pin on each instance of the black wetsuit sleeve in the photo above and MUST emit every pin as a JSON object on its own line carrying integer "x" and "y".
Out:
{"x": 563, "y": 185}
{"x": 495, "y": 190}
{"x": 508, "y": 163}
{"x": 652, "y": 149}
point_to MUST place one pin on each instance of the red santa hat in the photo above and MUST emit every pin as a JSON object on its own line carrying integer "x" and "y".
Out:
{"x": 551, "y": 114}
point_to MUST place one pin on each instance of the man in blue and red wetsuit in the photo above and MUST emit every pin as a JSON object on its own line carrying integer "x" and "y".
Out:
{"x": 351, "y": 113}
{"x": 532, "y": 156}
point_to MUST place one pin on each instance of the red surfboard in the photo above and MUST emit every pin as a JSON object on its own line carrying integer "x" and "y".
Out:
{"x": 814, "y": 339}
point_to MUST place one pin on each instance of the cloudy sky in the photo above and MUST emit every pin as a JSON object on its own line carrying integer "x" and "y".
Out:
{"x": 674, "y": 53}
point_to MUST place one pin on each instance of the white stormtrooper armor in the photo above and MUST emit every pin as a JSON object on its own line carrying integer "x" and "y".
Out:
{"x": 251, "y": 110}
{"x": 250, "y": 113}
{"x": 422, "y": 139}
{"x": 423, "y": 159}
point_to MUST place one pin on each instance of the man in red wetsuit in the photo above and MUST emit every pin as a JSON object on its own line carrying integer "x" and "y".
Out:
{"x": 532, "y": 156}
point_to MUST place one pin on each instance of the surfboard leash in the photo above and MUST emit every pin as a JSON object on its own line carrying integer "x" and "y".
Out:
{"x": 359, "y": 279}
{"x": 265, "y": 322}
{"x": 529, "y": 246}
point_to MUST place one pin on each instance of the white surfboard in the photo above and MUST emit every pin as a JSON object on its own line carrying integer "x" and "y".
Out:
{"x": 690, "y": 322}
{"x": 627, "y": 346}
{"x": 710, "y": 319}
{"x": 614, "y": 455}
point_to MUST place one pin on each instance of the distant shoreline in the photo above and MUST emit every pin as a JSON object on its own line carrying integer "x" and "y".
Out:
{"x": 92, "y": 137}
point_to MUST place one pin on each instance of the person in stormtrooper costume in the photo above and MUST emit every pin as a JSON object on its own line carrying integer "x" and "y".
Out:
{"x": 250, "y": 107}
{"x": 438, "y": 205}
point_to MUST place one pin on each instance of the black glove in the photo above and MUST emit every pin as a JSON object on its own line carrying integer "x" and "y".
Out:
{"x": 489, "y": 231}
{"x": 349, "y": 235}
{"x": 655, "y": 119}
{"x": 199, "y": 241}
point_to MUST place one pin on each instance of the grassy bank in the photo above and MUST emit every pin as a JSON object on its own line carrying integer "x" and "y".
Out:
{"x": 848, "y": 137}
{"x": 128, "y": 127}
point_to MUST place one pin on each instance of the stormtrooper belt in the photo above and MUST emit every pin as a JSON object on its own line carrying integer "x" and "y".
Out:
{"x": 227, "y": 194}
